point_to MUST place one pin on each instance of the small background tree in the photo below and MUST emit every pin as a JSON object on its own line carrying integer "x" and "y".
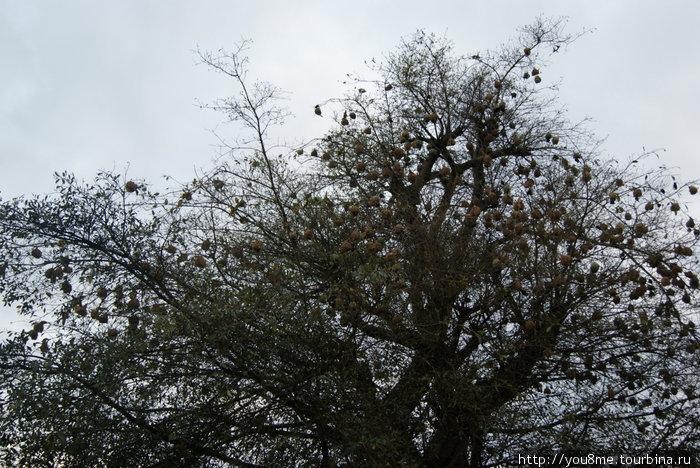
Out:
{"x": 450, "y": 277}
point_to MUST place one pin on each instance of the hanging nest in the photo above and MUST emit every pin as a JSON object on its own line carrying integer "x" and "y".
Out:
{"x": 53, "y": 274}
{"x": 199, "y": 261}
{"x": 430, "y": 117}
{"x": 523, "y": 245}
{"x": 38, "y": 327}
{"x": 519, "y": 228}
{"x": 640, "y": 229}
{"x": 133, "y": 321}
{"x": 393, "y": 255}
{"x": 373, "y": 247}
{"x": 559, "y": 280}
{"x": 683, "y": 250}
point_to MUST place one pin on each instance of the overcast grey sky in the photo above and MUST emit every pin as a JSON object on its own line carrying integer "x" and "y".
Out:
{"x": 88, "y": 85}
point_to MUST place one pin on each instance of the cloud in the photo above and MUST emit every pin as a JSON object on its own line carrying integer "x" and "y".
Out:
{"x": 86, "y": 85}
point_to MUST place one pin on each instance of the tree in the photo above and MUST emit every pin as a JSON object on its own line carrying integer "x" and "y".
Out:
{"x": 450, "y": 277}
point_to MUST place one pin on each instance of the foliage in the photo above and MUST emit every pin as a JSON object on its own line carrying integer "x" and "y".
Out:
{"x": 450, "y": 277}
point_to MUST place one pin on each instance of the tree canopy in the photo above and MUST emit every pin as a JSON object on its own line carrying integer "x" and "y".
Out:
{"x": 451, "y": 276}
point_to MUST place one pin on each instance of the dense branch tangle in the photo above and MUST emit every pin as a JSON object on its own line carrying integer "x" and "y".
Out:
{"x": 448, "y": 278}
